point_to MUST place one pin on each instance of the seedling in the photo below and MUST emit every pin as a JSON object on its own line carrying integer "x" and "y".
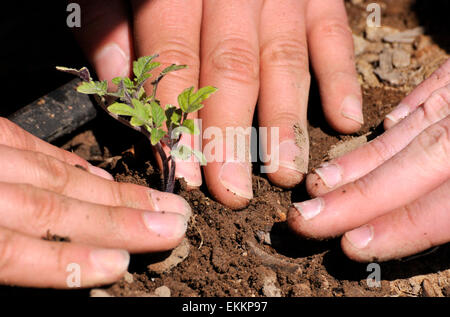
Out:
{"x": 143, "y": 112}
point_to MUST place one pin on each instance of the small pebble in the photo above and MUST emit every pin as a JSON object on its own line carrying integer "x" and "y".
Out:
{"x": 162, "y": 291}
{"x": 128, "y": 277}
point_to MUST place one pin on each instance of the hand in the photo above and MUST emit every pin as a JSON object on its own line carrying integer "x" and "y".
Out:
{"x": 391, "y": 196}
{"x": 246, "y": 49}
{"x": 44, "y": 188}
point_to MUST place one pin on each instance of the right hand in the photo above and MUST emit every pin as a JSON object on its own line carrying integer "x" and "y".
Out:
{"x": 44, "y": 188}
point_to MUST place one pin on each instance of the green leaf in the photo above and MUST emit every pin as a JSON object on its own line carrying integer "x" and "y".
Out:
{"x": 175, "y": 118}
{"x": 194, "y": 108}
{"x": 136, "y": 122}
{"x": 141, "y": 112}
{"x": 172, "y": 68}
{"x": 93, "y": 87}
{"x": 184, "y": 97}
{"x": 126, "y": 81}
{"x": 158, "y": 114}
{"x": 190, "y": 124}
{"x": 200, "y": 157}
{"x": 201, "y": 95}
{"x": 121, "y": 109}
{"x": 144, "y": 65}
{"x": 156, "y": 135}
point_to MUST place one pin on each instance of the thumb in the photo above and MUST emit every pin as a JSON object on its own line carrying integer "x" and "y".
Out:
{"x": 105, "y": 37}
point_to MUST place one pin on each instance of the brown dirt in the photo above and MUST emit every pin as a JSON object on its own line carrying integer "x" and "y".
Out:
{"x": 239, "y": 253}
{"x": 251, "y": 252}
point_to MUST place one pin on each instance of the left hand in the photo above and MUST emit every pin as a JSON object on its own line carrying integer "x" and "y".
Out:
{"x": 391, "y": 197}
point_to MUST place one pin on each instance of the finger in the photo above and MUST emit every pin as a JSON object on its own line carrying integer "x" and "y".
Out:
{"x": 105, "y": 37}
{"x": 22, "y": 256}
{"x": 440, "y": 78}
{"x": 366, "y": 158}
{"x": 285, "y": 81}
{"x": 421, "y": 167}
{"x": 48, "y": 173}
{"x": 14, "y": 136}
{"x": 332, "y": 57}
{"x": 171, "y": 28}
{"x": 405, "y": 231}
{"x": 230, "y": 62}
{"x": 42, "y": 211}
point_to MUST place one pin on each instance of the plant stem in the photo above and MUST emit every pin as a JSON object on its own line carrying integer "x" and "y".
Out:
{"x": 171, "y": 180}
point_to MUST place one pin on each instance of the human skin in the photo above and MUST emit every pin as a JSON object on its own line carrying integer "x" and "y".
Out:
{"x": 44, "y": 188}
{"x": 389, "y": 198}
{"x": 254, "y": 52}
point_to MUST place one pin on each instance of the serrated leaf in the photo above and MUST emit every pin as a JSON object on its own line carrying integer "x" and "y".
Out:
{"x": 200, "y": 157}
{"x": 126, "y": 81}
{"x": 141, "y": 112}
{"x": 184, "y": 97}
{"x": 190, "y": 124}
{"x": 172, "y": 68}
{"x": 197, "y": 98}
{"x": 136, "y": 122}
{"x": 156, "y": 135}
{"x": 93, "y": 87}
{"x": 194, "y": 108}
{"x": 144, "y": 65}
{"x": 158, "y": 115}
{"x": 175, "y": 118}
{"x": 121, "y": 109}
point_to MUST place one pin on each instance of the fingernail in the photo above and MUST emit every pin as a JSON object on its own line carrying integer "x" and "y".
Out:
{"x": 330, "y": 174}
{"x": 310, "y": 208}
{"x": 360, "y": 237}
{"x": 100, "y": 172}
{"x": 165, "y": 224}
{"x": 399, "y": 113}
{"x": 190, "y": 172}
{"x": 111, "y": 61}
{"x": 236, "y": 177}
{"x": 352, "y": 109}
{"x": 170, "y": 202}
{"x": 292, "y": 157}
{"x": 109, "y": 261}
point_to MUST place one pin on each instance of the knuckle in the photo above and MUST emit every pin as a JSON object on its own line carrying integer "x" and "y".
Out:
{"x": 52, "y": 173}
{"x": 45, "y": 210}
{"x": 361, "y": 186}
{"x": 380, "y": 150}
{"x": 179, "y": 52}
{"x": 438, "y": 105}
{"x": 435, "y": 141}
{"x": 235, "y": 59}
{"x": 284, "y": 118}
{"x": 332, "y": 28}
{"x": 119, "y": 194}
{"x": 290, "y": 53}
{"x": 6, "y": 250}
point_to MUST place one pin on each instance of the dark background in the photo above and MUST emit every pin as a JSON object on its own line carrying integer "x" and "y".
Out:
{"x": 34, "y": 39}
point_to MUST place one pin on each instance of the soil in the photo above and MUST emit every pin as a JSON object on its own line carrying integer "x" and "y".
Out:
{"x": 251, "y": 252}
